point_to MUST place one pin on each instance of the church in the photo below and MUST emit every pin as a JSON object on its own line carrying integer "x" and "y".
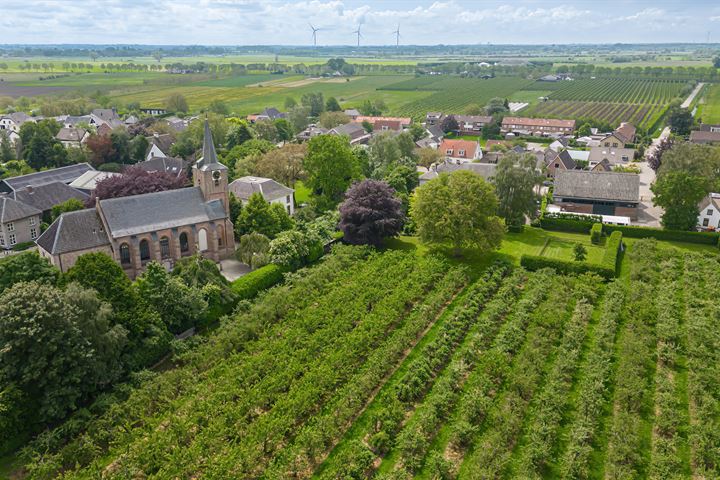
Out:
{"x": 160, "y": 226}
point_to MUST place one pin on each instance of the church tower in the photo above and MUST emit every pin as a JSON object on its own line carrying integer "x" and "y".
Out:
{"x": 211, "y": 175}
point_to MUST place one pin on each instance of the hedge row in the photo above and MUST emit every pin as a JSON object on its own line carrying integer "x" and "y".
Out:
{"x": 548, "y": 222}
{"x": 612, "y": 251}
{"x": 706, "y": 238}
{"x": 533, "y": 262}
{"x": 248, "y": 286}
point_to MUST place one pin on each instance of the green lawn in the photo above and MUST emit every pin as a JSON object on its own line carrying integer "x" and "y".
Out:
{"x": 709, "y": 109}
{"x": 302, "y": 193}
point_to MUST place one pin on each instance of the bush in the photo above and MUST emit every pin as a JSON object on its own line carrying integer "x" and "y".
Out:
{"x": 248, "y": 286}
{"x": 533, "y": 262}
{"x": 704, "y": 238}
{"x": 19, "y": 247}
{"x": 596, "y": 233}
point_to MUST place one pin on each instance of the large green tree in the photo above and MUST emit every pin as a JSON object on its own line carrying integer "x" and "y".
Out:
{"x": 515, "y": 180}
{"x": 458, "y": 210}
{"x": 698, "y": 160}
{"x": 26, "y": 267}
{"x": 330, "y": 167}
{"x": 680, "y": 120}
{"x": 679, "y": 193}
{"x": 261, "y": 217}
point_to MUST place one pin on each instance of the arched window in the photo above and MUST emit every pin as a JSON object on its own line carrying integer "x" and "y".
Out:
{"x": 202, "y": 240}
{"x": 164, "y": 248}
{"x": 144, "y": 250}
{"x": 184, "y": 244}
{"x": 125, "y": 254}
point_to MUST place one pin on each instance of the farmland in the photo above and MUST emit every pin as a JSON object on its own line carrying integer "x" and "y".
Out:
{"x": 709, "y": 106}
{"x": 405, "y": 363}
{"x": 641, "y": 102}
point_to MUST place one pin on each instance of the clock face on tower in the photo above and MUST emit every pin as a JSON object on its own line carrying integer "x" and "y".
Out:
{"x": 216, "y": 175}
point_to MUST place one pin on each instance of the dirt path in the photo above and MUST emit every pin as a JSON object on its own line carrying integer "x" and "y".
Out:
{"x": 689, "y": 99}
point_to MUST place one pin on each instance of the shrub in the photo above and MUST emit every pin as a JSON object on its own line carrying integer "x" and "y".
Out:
{"x": 596, "y": 233}
{"x": 568, "y": 223}
{"x": 612, "y": 251}
{"x": 705, "y": 238}
{"x": 248, "y": 286}
{"x": 534, "y": 262}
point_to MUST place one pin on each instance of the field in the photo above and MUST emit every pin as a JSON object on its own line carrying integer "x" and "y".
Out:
{"x": 641, "y": 102}
{"x": 407, "y": 363}
{"x": 709, "y": 106}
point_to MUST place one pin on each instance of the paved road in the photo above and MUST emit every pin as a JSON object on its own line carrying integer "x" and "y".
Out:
{"x": 656, "y": 141}
{"x": 689, "y": 100}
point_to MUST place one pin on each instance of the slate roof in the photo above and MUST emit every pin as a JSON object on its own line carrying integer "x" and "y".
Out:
{"x": 562, "y": 156}
{"x": 620, "y": 187}
{"x": 711, "y": 199}
{"x": 62, "y": 174}
{"x": 602, "y": 166}
{"x": 175, "y": 166}
{"x": 164, "y": 142}
{"x": 271, "y": 190}
{"x": 11, "y": 210}
{"x": 353, "y": 130}
{"x": 209, "y": 160}
{"x": 435, "y": 131}
{"x": 44, "y": 197}
{"x": 79, "y": 230}
{"x": 700, "y": 136}
{"x": 485, "y": 170}
{"x": 159, "y": 210}
{"x": 106, "y": 114}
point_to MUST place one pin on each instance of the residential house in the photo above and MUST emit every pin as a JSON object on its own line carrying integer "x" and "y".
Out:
{"x": 88, "y": 181}
{"x": 461, "y": 150}
{"x": 704, "y": 137}
{"x": 602, "y": 166}
{"x": 538, "y": 127}
{"x": 626, "y": 132}
{"x": 162, "y": 226}
{"x": 103, "y": 130}
{"x": 616, "y": 156}
{"x": 352, "y": 113}
{"x": 178, "y": 124}
{"x": 130, "y": 120}
{"x": 385, "y": 123}
{"x": 19, "y": 222}
{"x": 485, "y": 170}
{"x": 558, "y": 161}
{"x": 471, "y": 124}
{"x": 72, "y": 137}
{"x": 434, "y": 118}
{"x": 579, "y": 155}
{"x": 354, "y": 131}
{"x": 709, "y": 217}
{"x": 706, "y": 127}
{"x": 269, "y": 114}
{"x": 598, "y": 193}
{"x": 154, "y": 111}
{"x": 11, "y": 123}
{"x": 612, "y": 141}
{"x": 159, "y": 145}
{"x": 62, "y": 174}
{"x": 272, "y": 191}
{"x": 107, "y": 115}
{"x": 433, "y": 137}
{"x": 310, "y": 132}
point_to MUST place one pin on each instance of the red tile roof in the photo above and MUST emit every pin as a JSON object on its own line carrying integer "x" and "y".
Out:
{"x": 469, "y": 147}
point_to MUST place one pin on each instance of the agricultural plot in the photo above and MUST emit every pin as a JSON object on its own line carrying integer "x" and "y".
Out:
{"x": 454, "y": 95}
{"x": 641, "y": 102}
{"x": 397, "y": 365}
{"x": 709, "y": 106}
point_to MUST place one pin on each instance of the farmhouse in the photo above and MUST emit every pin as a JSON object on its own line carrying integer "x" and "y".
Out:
{"x": 272, "y": 191}
{"x": 162, "y": 226}
{"x": 269, "y": 114}
{"x": 537, "y": 126}
{"x": 709, "y": 217}
{"x": 599, "y": 193}
{"x": 72, "y": 137}
{"x": 461, "y": 150}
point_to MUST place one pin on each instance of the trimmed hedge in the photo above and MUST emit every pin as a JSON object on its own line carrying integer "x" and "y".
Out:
{"x": 533, "y": 262}
{"x": 596, "y": 233}
{"x": 248, "y": 286}
{"x": 566, "y": 224}
{"x": 705, "y": 238}
{"x": 612, "y": 251}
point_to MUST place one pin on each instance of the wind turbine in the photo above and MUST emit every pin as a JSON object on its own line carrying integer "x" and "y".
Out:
{"x": 397, "y": 36}
{"x": 358, "y": 34}
{"x": 314, "y": 34}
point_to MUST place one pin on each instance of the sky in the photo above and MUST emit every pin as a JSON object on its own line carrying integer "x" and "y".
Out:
{"x": 287, "y": 22}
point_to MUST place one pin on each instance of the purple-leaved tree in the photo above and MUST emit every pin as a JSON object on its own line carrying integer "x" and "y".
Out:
{"x": 370, "y": 213}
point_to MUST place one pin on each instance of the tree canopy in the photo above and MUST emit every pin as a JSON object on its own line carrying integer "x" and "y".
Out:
{"x": 458, "y": 210}
{"x": 370, "y": 213}
{"x": 330, "y": 167}
{"x": 136, "y": 181}
{"x": 515, "y": 181}
{"x": 679, "y": 193}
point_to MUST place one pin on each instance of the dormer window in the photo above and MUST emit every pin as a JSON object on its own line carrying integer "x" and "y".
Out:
{"x": 461, "y": 153}
{"x": 448, "y": 151}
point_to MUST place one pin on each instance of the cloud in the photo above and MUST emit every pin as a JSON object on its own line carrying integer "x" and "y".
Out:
{"x": 232, "y": 22}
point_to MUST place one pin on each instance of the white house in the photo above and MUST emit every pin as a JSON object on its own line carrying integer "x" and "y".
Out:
{"x": 709, "y": 218}
{"x": 272, "y": 191}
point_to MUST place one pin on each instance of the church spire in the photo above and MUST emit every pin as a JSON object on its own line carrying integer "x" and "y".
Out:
{"x": 209, "y": 160}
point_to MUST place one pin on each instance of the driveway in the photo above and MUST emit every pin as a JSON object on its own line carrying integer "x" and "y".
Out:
{"x": 648, "y": 214}
{"x": 689, "y": 100}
